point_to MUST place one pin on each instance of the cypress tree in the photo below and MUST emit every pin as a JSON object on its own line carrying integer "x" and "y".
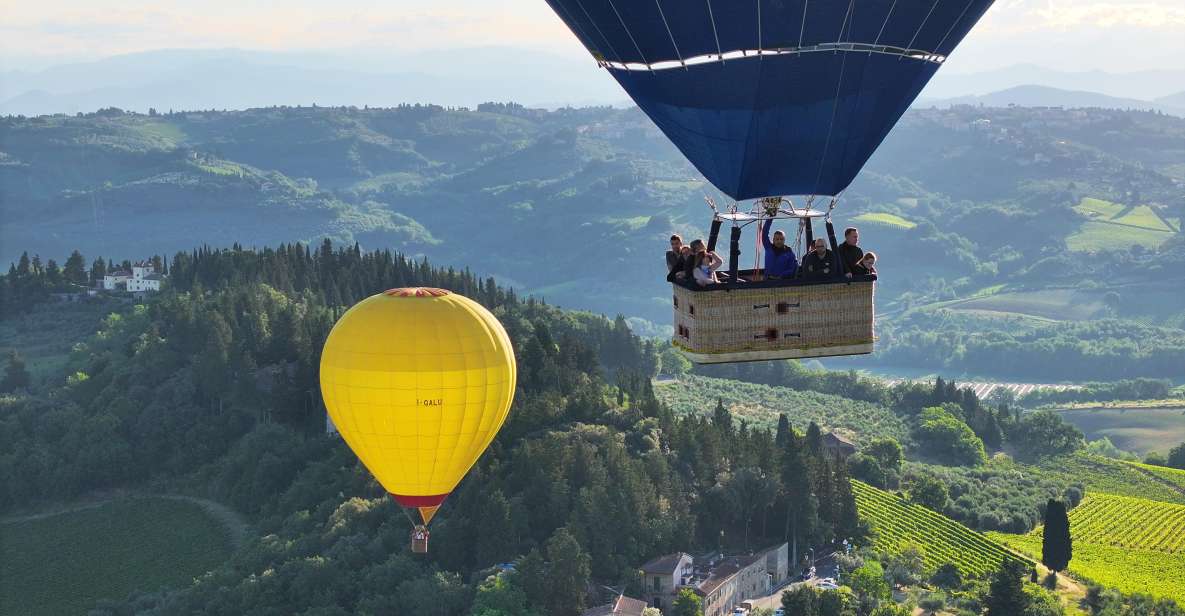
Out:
{"x": 1056, "y": 545}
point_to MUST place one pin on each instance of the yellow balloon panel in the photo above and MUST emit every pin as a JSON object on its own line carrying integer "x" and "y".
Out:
{"x": 418, "y": 382}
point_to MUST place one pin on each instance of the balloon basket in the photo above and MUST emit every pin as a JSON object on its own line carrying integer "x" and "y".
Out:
{"x": 419, "y": 540}
{"x": 764, "y": 320}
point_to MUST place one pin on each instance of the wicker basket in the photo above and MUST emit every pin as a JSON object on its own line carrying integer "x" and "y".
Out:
{"x": 763, "y": 321}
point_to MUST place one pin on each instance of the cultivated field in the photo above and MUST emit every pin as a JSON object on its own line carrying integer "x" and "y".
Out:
{"x": 760, "y": 406}
{"x": 1132, "y": 544}
{"x": 1135, "y": 430}
{"x": 1107, "y": 476}
{"x": 64, "y": 563}
{"x": 897, "y": 522}
{"x": 1111, "y": 225}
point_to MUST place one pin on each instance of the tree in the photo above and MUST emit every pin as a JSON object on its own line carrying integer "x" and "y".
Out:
{"x": 1045, "y": 433}
{"x": 750, "y": 491}
{"x": 75, "y": 269}
{"x": 16, "y": 376}
{"x": 569, "y": 572}
{"x": 687, "y": 604}
{"x": 947, "y": 576}
{"x": 802, "y": 601}
{"x": 885, "y": 450}
{"x": 1056, "y": 545}
{"x": 929, "y": 492}
{"x": 498, "y": 596}
{"x": 1176, "y": 457}
{"x": 948, "y": 438}
{"x": 868, "y": 582}
{"x": 1006, "y": 595}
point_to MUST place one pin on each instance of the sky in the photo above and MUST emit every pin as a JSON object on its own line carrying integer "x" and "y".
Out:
{"x": 1070, "y": 35}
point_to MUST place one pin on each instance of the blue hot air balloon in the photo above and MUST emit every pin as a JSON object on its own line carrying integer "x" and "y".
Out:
{"x": 773, "y": 97}
{"x": 770, "y": 99}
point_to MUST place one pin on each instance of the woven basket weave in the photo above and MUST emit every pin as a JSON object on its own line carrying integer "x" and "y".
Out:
{"x": 756, "y": 323}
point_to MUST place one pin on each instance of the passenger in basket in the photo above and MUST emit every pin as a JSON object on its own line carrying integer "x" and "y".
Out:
{"x": 849, "y": 251}
{"x": 675, "y": 256}
{"x": 705, "y": 268}
{"x": 697, "y": 246}
{"x": 780, "y": 261}
{"x": 867, "y": 265}
{"x": 816, "y": 265}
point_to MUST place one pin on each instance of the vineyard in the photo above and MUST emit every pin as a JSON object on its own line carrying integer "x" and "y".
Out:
{"x": 1101, "y": 474}
{"x": 1123, "y": 522}
{"x": 1127, "y": 570}
{"x": 1170, "y": 476}
{"x": 897, "y": 522}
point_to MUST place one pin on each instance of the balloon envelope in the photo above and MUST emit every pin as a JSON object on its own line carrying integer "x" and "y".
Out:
{"x": 773, "y": 97}
{"x": 418, "y": 382}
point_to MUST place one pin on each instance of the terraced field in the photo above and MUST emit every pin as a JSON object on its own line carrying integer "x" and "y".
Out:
{"x": 897, "y": 522}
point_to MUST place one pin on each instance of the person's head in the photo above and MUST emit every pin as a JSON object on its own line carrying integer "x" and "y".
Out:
{"x": 851, "y": 236}
{"x": 869, "y": 260}
{"x": 698, "y": 246}
{"x": 820, "y": 245}
{"x": 685, "y": 251}
{"x": 676, "y": 242}
{"x": 779, "y": 239}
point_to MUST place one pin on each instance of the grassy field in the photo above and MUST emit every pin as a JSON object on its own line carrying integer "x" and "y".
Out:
{"x": 1054, "y": 304}
{"x": 760, "y": 406}
{"x": 882, "y": 218}
{"x": 897, "y": 522}
{"x": 1138, "y": 430}
{"x": 1109, "y": 476}
{"x": 1131, "y": 544}
{"x": 64, "y": 563}
{"x": 1112, "y": 225}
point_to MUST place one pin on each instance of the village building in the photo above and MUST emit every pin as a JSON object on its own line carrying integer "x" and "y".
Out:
{"x": 721, "y": 582}
{"x": 623, "y": 605}
{"x": 837, "y": 446}
{"x": 143, "y": 278}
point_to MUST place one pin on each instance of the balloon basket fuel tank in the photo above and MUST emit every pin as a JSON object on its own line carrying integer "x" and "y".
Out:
{"x": 764, "y": 321}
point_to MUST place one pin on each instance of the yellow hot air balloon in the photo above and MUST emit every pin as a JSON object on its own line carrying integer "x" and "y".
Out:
{"x": 418, "y": 382}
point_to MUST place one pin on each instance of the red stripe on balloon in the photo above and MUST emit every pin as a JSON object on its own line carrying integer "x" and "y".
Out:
{"x": 419, "y": 501}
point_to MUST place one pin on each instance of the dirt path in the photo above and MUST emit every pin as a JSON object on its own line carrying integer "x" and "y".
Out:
{"x": 237, "y": 527}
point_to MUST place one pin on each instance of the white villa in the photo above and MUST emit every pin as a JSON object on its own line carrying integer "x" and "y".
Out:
{"x": 143, "y": 277}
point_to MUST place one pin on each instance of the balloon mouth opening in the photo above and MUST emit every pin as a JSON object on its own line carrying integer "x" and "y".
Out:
{"x": 419, "y": 501}
{"x": 416, "y": 292}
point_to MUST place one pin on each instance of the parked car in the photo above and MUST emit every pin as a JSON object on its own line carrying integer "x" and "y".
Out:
{"x": 780, "y": 612}
{"x": 740, "y": 611}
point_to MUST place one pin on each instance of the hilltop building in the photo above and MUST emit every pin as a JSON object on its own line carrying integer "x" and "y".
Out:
{"x": 143, "y": 278}
{"x": 721, "y": 582}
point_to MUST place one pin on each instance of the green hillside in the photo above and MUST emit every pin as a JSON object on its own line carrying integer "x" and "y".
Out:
{"x": 897, "y": 522}
{"x": 64, "y": 563}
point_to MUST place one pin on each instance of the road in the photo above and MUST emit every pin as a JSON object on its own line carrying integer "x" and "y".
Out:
{"x": 825, "y": 567}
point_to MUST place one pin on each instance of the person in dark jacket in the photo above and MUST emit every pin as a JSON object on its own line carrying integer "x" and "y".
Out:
{"x": 816, "y": 265}
{"x": 867, "y": 265}
{"x": 780, "y": 261}
{"x": 849, "y": 252}
{"x": 675, "y": 257}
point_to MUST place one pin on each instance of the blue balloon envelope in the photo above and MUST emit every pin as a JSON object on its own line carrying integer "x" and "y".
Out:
{"x": 773, "y": 97}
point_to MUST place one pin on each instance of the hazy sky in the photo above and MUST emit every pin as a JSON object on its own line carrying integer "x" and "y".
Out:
{"x": 1114, "y": 35}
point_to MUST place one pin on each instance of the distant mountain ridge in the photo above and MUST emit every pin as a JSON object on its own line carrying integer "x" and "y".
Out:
{"x": 1141, "y": 85}
{"x": 1045, "y": 96}
{"x": 241, "y": 79}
